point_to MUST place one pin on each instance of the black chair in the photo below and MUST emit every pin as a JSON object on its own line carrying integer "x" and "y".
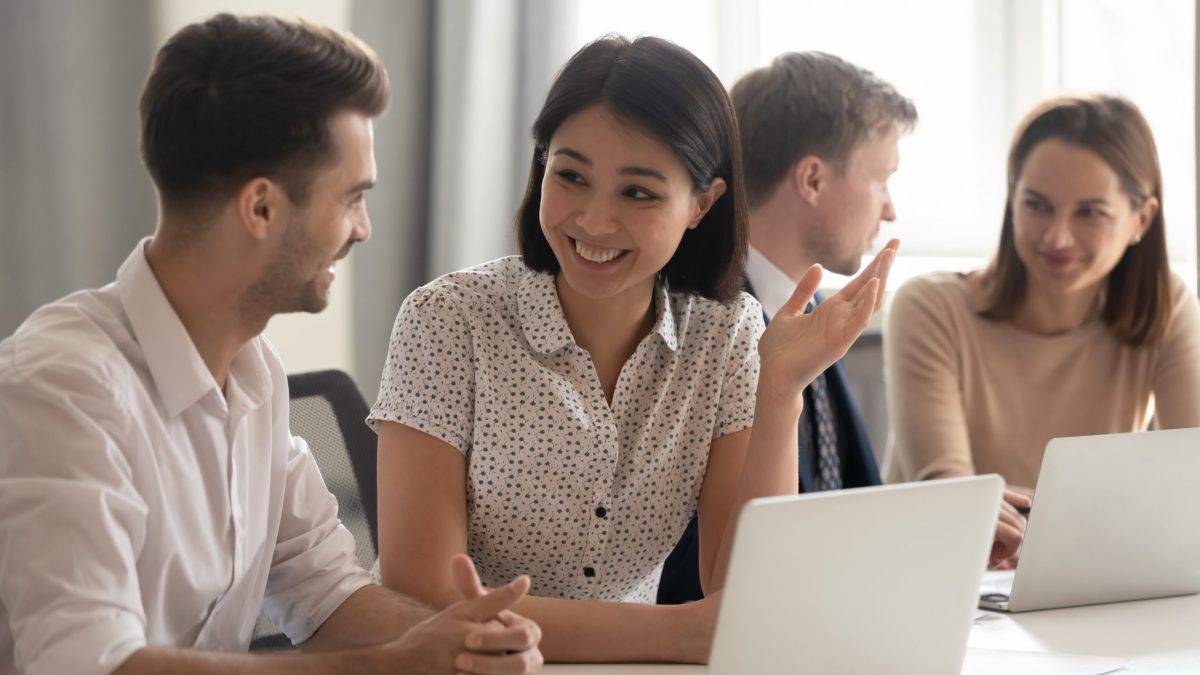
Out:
{"x": 329, "y": 413}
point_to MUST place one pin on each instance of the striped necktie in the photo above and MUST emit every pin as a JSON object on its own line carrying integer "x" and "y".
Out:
{"x": 829, "y": 465}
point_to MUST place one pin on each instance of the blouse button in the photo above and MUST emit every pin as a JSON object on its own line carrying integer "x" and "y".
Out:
{"x": 589, "y": 572}
{"x": 601, "y": 512}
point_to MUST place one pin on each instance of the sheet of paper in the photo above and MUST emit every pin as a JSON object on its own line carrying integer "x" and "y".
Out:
{"x": 1006, "y": 662}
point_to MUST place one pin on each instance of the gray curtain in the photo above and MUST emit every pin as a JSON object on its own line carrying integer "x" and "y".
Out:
{"x": 74, "y": 197}
{"x": 393, "y": 262}
{"x": 468, "y": 77}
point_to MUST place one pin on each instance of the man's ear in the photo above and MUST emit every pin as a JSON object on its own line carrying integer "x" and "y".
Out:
{"x": 260, "y": 204}
{"x": 705, "y": 201}
{"x": 809, "y": 177}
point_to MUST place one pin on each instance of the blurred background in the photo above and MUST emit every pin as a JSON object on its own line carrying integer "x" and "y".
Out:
{"x": 468, "y": 78}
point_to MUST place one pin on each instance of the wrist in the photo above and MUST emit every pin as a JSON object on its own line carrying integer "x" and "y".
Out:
{"x": 692, "y": 627}
{"x": 772, "y": 400}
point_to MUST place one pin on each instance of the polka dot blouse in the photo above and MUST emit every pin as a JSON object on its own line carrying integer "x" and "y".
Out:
{"x": 585, "y": 497}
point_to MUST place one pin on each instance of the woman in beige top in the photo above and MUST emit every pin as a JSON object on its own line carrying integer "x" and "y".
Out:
{"x": 1077, "y": 327}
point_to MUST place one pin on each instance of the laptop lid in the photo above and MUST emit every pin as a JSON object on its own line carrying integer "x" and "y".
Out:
{"x": 1115, "y": 517}
{"x": 880, "y": 579}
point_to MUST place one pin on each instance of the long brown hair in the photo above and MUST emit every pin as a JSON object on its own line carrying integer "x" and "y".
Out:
{"x": 1137, "y": 303}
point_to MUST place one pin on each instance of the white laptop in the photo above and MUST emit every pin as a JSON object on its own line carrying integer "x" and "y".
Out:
{"x": 870, "y": 580}
{"x": 1114, "y": 518}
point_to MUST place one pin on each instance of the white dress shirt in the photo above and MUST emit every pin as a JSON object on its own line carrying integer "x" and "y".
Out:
{"x": 140, "y": 506}
{"x": 587, "y": 497}
{"x": 772, "y": 286}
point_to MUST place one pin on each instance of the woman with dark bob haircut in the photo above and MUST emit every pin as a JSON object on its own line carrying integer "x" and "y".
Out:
{"x": 565, "y": 412}
{"x": 1076, "y": 328}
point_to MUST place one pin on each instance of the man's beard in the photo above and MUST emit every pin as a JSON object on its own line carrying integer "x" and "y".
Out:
{"x": 290, "y": 283}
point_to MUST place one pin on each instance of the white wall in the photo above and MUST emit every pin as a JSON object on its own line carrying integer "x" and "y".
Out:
{"x": 305, "y": 341}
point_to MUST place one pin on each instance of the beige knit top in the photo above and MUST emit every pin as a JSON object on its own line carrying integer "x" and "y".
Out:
{"x": 970, "y": 395}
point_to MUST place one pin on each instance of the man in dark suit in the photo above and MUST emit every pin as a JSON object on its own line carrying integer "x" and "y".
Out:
{"x": 819, "y": 141}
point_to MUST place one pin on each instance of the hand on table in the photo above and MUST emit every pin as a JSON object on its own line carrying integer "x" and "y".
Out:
{"x": 797, "y": 347}
{"x": 1010, "y": 531}
{"x": 479, "y": 634}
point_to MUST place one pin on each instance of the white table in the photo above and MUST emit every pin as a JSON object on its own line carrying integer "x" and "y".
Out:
{"x": 1152, "y": 636}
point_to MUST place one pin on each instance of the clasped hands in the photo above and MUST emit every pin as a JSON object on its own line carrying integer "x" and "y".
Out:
{"x": 479, "y": 635}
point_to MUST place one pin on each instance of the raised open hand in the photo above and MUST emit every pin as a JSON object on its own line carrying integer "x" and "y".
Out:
{"x": 797, "y": 347}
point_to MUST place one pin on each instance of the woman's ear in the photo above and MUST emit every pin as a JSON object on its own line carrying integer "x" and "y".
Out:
{"x": 705, "y": 199}
{"x": 1146, "y": 216}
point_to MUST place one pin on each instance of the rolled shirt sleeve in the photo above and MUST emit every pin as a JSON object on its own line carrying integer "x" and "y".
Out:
{"x": 71, "y": 526}
{"x": 313, "y": 568}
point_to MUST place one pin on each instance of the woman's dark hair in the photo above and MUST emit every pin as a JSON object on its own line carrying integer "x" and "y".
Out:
{"x": 664, "y": 90}
{"x": 1137, "y": 302}
{"x": 236, "y": 97}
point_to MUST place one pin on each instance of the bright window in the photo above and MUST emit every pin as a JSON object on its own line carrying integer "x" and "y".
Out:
{"x": 973, "y": 68}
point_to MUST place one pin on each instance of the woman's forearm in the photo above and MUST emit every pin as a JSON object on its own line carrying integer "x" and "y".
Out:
{"x": 591, "y": 631}
{"x": 771, "y": 467}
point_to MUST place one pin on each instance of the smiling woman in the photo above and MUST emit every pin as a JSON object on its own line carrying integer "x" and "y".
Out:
{"x": 566, "y": 412}
{"x": 1078, "y": 314}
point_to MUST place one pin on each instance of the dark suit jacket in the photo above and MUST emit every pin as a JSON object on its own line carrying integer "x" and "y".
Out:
{"x": 681, "y": 573}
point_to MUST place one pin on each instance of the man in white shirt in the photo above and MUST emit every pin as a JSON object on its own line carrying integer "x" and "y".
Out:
{"x": 152, "y": 498}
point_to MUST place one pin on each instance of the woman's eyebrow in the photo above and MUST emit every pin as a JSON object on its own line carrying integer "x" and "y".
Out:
{"x": 642, "y": 171}
{"x": 575, "y": 155}
{"x": 624, "y": 171}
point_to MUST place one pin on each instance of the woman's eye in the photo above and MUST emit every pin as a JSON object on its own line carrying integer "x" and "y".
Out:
{"x": 1035, "y": 205}
{"x": 637, "y": 193}
{"x": 570, "y": 176}
{"x": 1091, "y": 213}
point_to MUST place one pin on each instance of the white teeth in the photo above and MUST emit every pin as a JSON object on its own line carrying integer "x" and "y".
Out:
{"x": 596, "y": 254}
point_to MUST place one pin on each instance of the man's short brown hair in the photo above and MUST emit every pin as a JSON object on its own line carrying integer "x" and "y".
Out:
{"x": 232, "y": 98}
{"x": 809, "y": 103}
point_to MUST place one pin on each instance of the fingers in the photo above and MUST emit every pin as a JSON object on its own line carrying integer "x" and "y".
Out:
{"x": 885, "y": 268}
{"x": 804, "y": 291}
{"x": 872, "y": 270}
{"x": 1008, "y": 540}
{"x": 519, "y": 663}
{"x": 518, "y": 636}
{"x": 491, "y": 603}
{"x": 466, "y": 579}
{"x": 1017, "y": 500}
{"x": 864, "y": 306}
{"x": 1010, "y": 517}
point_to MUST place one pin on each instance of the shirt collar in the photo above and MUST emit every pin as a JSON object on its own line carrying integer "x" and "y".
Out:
{"x": 664, "y": 324}
{"x": 772, "y": 286}
{"x": 179, "y": 373}
{"x": 545, "y": 325}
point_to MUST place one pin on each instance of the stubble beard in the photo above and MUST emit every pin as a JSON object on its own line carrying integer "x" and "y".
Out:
{"x": 288, "y": 285}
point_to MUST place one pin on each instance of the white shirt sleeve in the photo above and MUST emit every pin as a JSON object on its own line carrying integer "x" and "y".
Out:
{"x": 71, "y": 526}
{"x": 313, "y": 569}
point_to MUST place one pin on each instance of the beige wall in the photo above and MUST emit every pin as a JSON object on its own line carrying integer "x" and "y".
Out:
{"x": 305, "y": 341}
